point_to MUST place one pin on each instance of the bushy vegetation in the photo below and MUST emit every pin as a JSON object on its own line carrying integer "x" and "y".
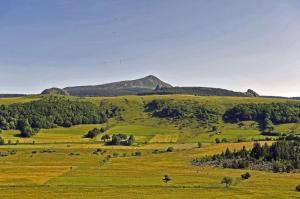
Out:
{"x": 2, "y": 142}
{"x": 118, "y": 139}
{"x": 166, "y": 179}
{"x": 182, "y": 110}
{"x": 227, "y": 181}
{"x": 298, "y": 187}
{"x": 246, "y": 176}
{"x": 94, "y": 132}
{"x": 51, "y": 112}
{"x": 282, "y": 156}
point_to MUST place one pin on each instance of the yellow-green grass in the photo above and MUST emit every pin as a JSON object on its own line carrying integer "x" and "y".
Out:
{"x": 14, "y": 100}
{"x": 59, "y": 175}
{"x": 169, "y": 138}
{"x": 288, "y": 128}
{"x": 55, "y": 135}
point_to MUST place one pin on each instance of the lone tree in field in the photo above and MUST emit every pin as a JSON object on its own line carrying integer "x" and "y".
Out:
{"x": 199, "y": 144}
{"x": 227, "y": 181}
{"x": 246, "y": 176}
{"x": 166, "y": 179}
{"x": 298, "y": 188}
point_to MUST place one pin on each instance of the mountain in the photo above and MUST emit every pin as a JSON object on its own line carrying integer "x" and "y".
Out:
{"x": 149, "y": 85}
{"x": 128, "y": 87}
{"x": 201, "y": 91}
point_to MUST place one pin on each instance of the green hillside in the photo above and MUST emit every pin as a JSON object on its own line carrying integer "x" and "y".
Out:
{"x": 63, "y": 162}
{"x": 136, "y": 120}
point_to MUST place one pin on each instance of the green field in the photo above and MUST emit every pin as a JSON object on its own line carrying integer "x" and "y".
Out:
{"x": 61, "y": 163}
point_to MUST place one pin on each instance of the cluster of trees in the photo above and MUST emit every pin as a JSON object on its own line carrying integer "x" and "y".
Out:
{"x": 118, "y": 139}
{"x": 265, "y": 114}
{"x": 284, "y": 156}
{"x": 94, "y": 132}
{"x": 51, "y": 112}
{"x": 182, "y": 110}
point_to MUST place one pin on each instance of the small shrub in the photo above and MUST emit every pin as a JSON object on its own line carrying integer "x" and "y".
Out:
{"x": 246, "y": 176}
{"x": 137, "y": 153}
{"x": 156, "y": 151}
{"x": 227, "y": 181}
{"x": 2, "y": 142}
{"x": 115, "y": 154}
{"x": 166, "y": 179}
{"x": 199, "y": 144}
{"x": 170, "y": 149}
{"x": 217, "y": 140}
{"x": 224, "y": 140}
{"x": 298, "y": 187}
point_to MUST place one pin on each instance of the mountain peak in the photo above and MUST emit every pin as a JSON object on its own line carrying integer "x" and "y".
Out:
{"x": 127, "y": 87}
{"x": 150, "y": 77}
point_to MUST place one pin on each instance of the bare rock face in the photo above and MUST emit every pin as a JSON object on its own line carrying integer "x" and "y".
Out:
{"x": 252, "y": 93}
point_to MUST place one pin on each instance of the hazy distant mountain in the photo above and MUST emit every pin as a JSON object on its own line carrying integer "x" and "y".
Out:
{"x": 129, "y": 87}
{"x": 149, "y": 85}
{"x": 201, "y": 91}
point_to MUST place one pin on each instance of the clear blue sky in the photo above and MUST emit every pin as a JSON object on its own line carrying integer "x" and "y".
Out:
{"x": 231, "y": 44}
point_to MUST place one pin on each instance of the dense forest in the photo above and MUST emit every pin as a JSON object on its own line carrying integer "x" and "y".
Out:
{"x": 281, "y": 156}
{"x": 175, "y": 110}
{"x": 53, "y": 111}
{"x": 278, "y": 113}
{"x": 265, "y": 114}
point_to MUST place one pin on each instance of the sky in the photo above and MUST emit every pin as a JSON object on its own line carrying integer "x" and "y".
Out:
{"x": 228, "y": 44}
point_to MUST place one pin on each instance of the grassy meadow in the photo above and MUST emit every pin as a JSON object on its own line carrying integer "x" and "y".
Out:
{"x": 62, "y": 163}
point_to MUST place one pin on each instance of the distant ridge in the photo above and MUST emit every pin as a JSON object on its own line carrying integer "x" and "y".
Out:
{"x": 128, "y": 87}
{"x": 201, "y": 91}
{"x": 149, "y": 85}
{"x": 11, "y": 95}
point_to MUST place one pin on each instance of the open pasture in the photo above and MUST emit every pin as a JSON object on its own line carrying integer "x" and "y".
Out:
{"x": 33, "y": 174}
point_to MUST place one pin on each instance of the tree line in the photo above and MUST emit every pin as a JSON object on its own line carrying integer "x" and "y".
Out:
{"x": 281, "y": 156}
{"x": 51, "y": 112}
{"x": 277, "y": 113}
